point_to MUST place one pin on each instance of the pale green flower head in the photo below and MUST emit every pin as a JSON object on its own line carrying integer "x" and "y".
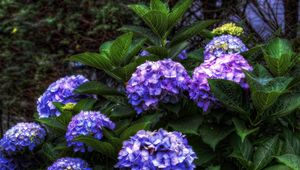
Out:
{"x": 228, "y": 28}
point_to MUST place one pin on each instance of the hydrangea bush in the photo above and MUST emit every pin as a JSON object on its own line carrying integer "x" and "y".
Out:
{"x": 236, "y": 109}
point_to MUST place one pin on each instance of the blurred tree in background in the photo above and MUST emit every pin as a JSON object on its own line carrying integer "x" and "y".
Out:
{"x": 37, "y": 36}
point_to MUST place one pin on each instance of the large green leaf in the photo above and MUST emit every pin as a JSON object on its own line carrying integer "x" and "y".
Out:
{"x": 132, "y": 130}
{"x": 264, "y": 153}
{"x": 278, "y": 167}
{"x": 213, "y": 135}
{"x": 120, "y": 47}
{"x": 139, "y": 9}
{"x": 144, "y": 32}
{"x": 229, "y": 93}
{"x": 104, "y": 148}
{"x": 190, "y": 31}
{"x": 291, "y": 142}
{"x": 242, "y": 151}
{"x": 187, "y": 125}
{"x": 84, "y": 105}
{"x": 242, "y": 130}
{"x": 134, "y": 49}
{"x": 177, "y": 12}
{"x": 159, "y": 6}
{"x": 290, "y": 160}
{"x": 96, "y": 87}
{"x": 156, "y": 20}
{"x": 93, "y": 59}
{"x": 159, "y": 51}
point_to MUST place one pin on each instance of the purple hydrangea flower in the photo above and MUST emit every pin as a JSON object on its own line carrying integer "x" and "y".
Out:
{"x": 156, "y": 150}
{"x": 87, "y": 123}
{"x": 153, "y": 82}
{"x": 69, "y": 163}
{"x": 224, "y": 44}
{"x": 227, "y": 67}
{"x": 22, "y": 136}
{"x": 6, "y": 163}
{"x": 59, "y": 91}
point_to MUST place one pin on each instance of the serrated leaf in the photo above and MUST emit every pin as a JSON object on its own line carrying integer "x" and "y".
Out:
{"x": 104, "y": 148}
{"x": 187, "y": 125}
{"x": 142, "y": 31}
{"x": 93, "y": 60}
{"x": 120, "y": 47}
{"x": 156, "y": 20}
{"x": 159, "y": 6}
{"x": 290, "y": 160}
{"x": 177, "y": 12}
{"x": 241, "y": 129}
{"x": 213, "y": 135}
{"x": 132, "y": 130}
{"x": 96, "y": 87}
{"x": 229, "y": 93}
{"x": 264, "y": 153}
{"x": 190, "y": 31}
{"x": 242, "y": 151}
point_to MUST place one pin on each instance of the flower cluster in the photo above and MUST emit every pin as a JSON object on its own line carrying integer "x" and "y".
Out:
{"x": 59, "y": 91}
{"x": 156, "y": 150}
{"x": 21, "y": 137}
{"x": 227, "y": 67}
{"x": 69, "y": 163}
{"x": 6, "y": 163}
{"x": 153, "y": 82}
{"x": 87, "y": 123}
{"x": 228, "y": 28}
{"x": 224, "y": 44}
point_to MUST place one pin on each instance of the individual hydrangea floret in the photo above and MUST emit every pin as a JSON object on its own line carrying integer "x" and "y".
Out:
{"x": 153, "y": 82}
{"x": 224, "y": 44}
{"x": 156, "y": 150}
{"x": 227, "y": 67}
{"x": 69, "y": 164}
{"x": 22, "y": 136}
{"x": 61, "y": 91}
{"x": 6, "y": 163}
{"x": 228, "y": 28}
{"x": 88, "y": 123}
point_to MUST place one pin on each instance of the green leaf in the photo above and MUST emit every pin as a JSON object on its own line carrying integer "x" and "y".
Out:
{"x": 104, "y": 148}
{"x": 120, "y": 47}
{"x": 142, "y": 31}
{"x": 241, "y": 129}
{"x": 156, "y": 20}
{"x": 49, "y": 152}
{"x": 84, "y": 105}
{"x": 93, "y": 60}
{"x": 105, "y": 48}
{"x": 96, "y": 87}
{"x": 134, "y": 50}
{"x": 242, "y": 151}
{"x": 132, "y": 130}
{"x": 159, "y": 6}
{"x": 264, "y": 153}
{"x": 290, "y": 160}
{"x": 52, "y": 123}
{"x": 213, "y": 135}
{"x": 284, "y": 105}
{"x": 278, "y": 167}
{"x": 190, "y": 31}
{"x": 278, "y": 55}
{"x": 119, "y": 111}
{"x": 229, "y": 93}
{"x": 177, "y": 12}
{"x": 187, "y": 125}
{"x": 292, "y": 142}
{"x": 161, "y": 52}
{"x": 177, "y": 49}
{"x": 139, "y": 9}
{"x": 214, "y": 167}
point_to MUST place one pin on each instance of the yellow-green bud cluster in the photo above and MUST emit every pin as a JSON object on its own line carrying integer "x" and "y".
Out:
{"x": 229, "y": 28}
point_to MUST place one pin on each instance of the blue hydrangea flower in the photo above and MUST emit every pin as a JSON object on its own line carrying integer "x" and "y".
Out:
{"x": 59, "y": 91}
{"x": 183, "y": 55}
{"x": 22, "y": 136}
{"x": 227, "y": 67}
{"x": 224, "y": 44}
{"x": 69, "y": 164}
{"x": 6, "y": 163}
{"x": 153, "y": 82}
{"x": 87, "y": 123}
{"x": 156, "y": 150}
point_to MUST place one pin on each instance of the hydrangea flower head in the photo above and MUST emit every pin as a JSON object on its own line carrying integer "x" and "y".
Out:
{"x": 68, "y": 163}
{"x": 6, "y": 163}
{"x": 87, "y": 123}
{"x": 227, "y": 67}
{"x": 224, "y": 44}
{"x": 153, "y": 82}
{"x": 22, "y": 136}
{"x": 228, "y": 28}
{"x": 156, "y": 150}
{"x": 61, "y": 91}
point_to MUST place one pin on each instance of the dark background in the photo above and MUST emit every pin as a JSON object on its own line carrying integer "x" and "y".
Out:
{"x": 37, "y": 36}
